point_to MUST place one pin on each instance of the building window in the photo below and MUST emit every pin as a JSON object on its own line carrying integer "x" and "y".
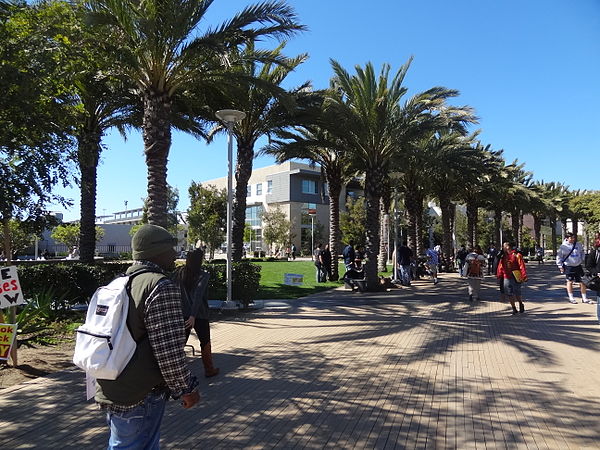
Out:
{"x": 249, "y": 191}
{"x": 253, "y": 214}
{"x": 259, "y": 189}
{"x": 269, "y": 186}
{"x": 305, "y": 218}
{"x": 309, "y": 187}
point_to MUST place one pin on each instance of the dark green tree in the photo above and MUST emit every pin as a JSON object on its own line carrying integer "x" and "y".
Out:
{"x": 207, "y": 215}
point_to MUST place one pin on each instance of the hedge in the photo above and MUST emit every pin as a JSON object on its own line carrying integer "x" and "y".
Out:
{"x": 77, "y": 281}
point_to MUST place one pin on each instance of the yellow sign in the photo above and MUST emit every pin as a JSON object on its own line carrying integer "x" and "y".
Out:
{"x": 8, "y": 331}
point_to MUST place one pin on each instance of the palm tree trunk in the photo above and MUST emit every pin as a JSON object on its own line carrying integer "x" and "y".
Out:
{"x": 446, "y": 206}
{"x": 243, "y": 171}
{"x": 498, "y": 227}
{"x": 472, "y": 213}
{"x": 88, "y": 154}
{"x": 419, "y": 226}
{"x": 334, "y": 188}
{"x": 384, "y": 208}
{"x": 553, "y": 231}
{"x": 372, "y": 194}
{"x": 411, "y": 203}
{"x": 514, "y": 222}
{"x": 156, "y": 129}
{"x": 537, "y": 229}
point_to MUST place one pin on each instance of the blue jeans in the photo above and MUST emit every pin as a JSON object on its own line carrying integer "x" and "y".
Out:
{"x": 138, "y": 428}
{"x": 405, "y": 273}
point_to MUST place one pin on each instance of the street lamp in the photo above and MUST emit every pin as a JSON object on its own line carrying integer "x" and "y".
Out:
{"x": 312, "y": 213}
{"x": 229, "y": 117}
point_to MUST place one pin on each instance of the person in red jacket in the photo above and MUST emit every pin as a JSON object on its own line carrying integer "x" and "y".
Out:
{"x": 511, "y": 269}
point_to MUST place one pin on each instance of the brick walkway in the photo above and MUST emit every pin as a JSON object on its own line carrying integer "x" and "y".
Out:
{"x": 412, "y": 368}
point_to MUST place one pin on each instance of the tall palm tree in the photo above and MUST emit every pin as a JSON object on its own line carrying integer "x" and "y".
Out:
{"x": 163, "y": 52}
{"x": 268, "y": 108}
{"x": 453, "y": 166}
{"x": 314, "y": 143}
{"x": 368, "y": 111}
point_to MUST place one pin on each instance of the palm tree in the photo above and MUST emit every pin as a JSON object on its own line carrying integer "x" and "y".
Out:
{"x": 161, "y": 53}
{"x": 368, "y": 112}
{"x": 268, "y": 108}
{"x": 316, "y": 144}
{"x": 453, "y": 167}
{"x": 423, "y": 116}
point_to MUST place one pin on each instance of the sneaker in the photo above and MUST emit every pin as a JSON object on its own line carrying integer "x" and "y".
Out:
{"x": 587, "y": 300}
{"x": 572, "y": 300}
{"x": 514, "y": 311}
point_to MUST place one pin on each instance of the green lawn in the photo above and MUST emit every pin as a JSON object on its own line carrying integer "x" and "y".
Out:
{"x": 272, "y": 275}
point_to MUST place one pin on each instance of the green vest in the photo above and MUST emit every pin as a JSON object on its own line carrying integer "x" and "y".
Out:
{"x": 142, "y": 373}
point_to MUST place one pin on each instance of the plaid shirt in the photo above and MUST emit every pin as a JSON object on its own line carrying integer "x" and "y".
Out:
{"x": 166, "y": 331}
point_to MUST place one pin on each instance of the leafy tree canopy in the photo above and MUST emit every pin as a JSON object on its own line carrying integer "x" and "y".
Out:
{"x": 207, "y": 215}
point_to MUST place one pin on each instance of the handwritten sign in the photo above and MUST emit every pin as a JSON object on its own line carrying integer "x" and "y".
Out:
{"x": 10, "y": 288}
{"x": 293, "y": 279}
{"x": 8, "y": 331}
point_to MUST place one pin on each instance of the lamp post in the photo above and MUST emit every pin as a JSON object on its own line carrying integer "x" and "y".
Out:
{"x": 312, "y": 213}
{"x": 229, "y": 117}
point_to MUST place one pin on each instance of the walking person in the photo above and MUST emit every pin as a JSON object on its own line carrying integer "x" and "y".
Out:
{"x": 569, "y": 259}
{"x": 404, "y": 258}
{"x": 318, "y": 260}
{"x": 433, "y": 261}
{"x": 512, "y": 272}
{"x": 539, "y": 254}
{"x": 193, "y": 282}
{"x": 460, "y": 258}
{"x": 135, "y": 402}
{"x": 492, "y": 253}
{"x": 593, "y": 267}
{"x": 349, "y": 255}
{"x": 473, "y": 271}
{"x": 294, "y": 249}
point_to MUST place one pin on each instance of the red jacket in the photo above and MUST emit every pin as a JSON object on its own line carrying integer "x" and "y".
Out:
{"x": 508, "y": 263}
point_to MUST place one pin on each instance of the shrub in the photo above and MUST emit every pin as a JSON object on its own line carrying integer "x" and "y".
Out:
{"x": 76, "y": 282}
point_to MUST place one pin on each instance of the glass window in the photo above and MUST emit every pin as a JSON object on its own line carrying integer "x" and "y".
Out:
{"x": 249, "y": 191}
{"x": 269, "y": 186}
{"x": 259, "y": 189}
{"x": 309, "y": 187}
{"x": 304, "y": 216}
{"x": 253, "y": 214}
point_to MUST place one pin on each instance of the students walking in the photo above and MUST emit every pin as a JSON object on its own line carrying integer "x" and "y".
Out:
{"x": 473, "y": 271}
{"x": 512, "y": 272}
{"x": 569, "y": 259}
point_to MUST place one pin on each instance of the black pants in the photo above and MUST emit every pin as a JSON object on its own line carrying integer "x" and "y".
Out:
{"x": 202, "y": 329}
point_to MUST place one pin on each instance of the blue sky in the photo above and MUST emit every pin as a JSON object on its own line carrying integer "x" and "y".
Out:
{"x": 531, "y": 70}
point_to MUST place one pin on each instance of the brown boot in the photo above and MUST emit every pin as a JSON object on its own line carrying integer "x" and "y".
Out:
{"x": 209, "y": 369}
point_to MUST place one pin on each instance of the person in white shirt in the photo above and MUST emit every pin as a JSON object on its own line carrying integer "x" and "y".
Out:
{"x": 569, "y": 259}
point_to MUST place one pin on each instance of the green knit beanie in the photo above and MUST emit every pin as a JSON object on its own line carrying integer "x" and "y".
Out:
{"x": 150, "y": 241}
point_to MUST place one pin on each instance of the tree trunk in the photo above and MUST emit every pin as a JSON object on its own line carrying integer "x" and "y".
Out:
{"x": 373, "y": 177}
{"x": 514, "y": 224}
{"x": 334, "y": 187}
{"x": 411, "y": 203}
{"x": 418, "y": 250}
{"x": 498, "y": 227}
{"x": 243, "y": 171}
{"x": 553, "y": 231}
{"x": 472, "y": 217}
{"x": 537, "y": 229}
{"x": 88, "y": 154}
{"x": 156, "y": 129}
{"x": 446, "y": 206}
{"x": 575, "y": 223}
{"x": 384, "y": 209}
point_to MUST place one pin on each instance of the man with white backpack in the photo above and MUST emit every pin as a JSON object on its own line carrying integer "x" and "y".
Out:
{"x": 135, "y": 401}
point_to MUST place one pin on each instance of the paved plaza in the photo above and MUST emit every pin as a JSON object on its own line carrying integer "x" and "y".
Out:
{"x": 417, "y": 367}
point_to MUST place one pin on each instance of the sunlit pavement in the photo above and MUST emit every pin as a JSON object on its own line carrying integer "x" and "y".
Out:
{"x": 418, "y": 367}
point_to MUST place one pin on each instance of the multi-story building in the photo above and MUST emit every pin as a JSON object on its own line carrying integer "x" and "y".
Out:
{"x": 296, "y": 189}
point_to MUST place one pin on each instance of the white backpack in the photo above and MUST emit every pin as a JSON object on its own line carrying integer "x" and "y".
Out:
{"x": 104, "y": 344}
